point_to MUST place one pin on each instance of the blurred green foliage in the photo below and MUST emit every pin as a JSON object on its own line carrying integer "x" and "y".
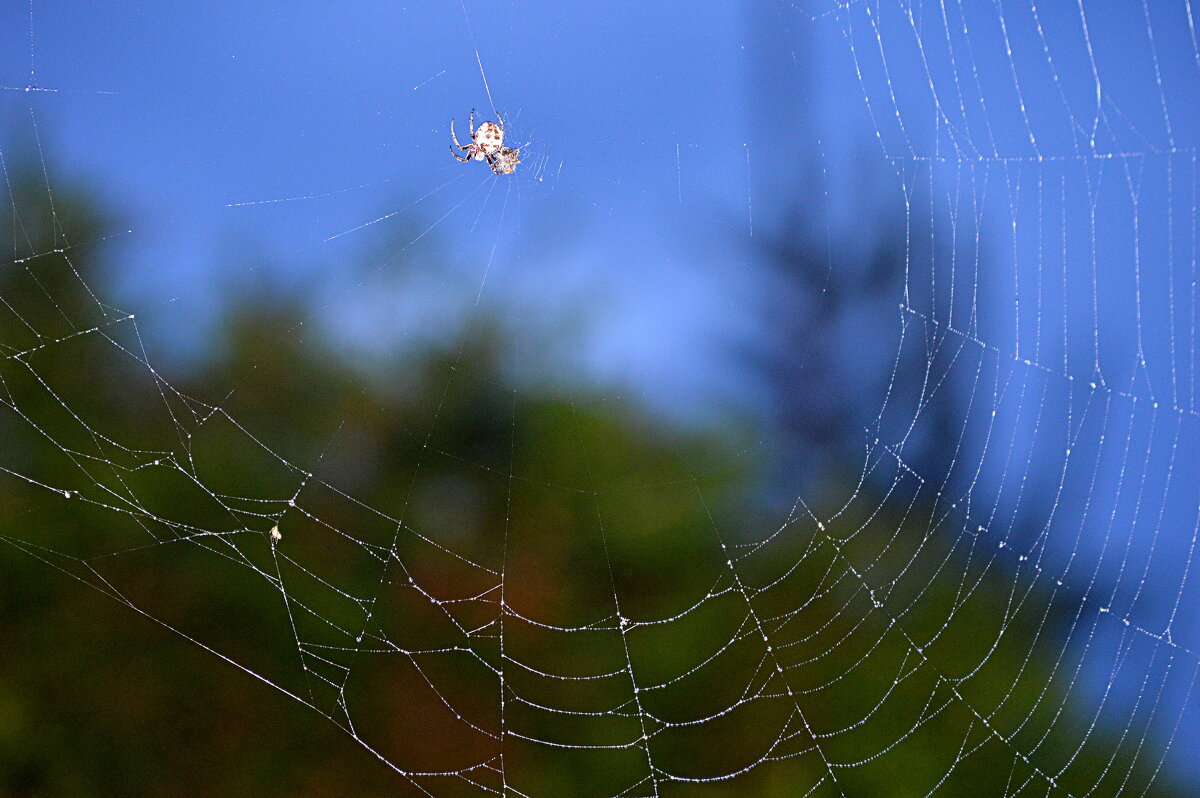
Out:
{"x": 401, "y": 495}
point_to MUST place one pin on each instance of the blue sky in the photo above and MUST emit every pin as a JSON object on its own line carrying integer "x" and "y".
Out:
{"x": 246, "y": 102}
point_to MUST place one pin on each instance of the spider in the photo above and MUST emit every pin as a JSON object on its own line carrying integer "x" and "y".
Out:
{"x": 487, "y": 144}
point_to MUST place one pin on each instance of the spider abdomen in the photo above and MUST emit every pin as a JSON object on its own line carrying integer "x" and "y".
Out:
{"x": 489, "y": 138}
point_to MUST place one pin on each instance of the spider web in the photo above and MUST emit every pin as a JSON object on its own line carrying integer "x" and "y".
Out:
{"x": 1026, "y": 607}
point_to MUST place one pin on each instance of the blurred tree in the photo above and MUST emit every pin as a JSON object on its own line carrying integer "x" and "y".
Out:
{"x": 831, "y": 357}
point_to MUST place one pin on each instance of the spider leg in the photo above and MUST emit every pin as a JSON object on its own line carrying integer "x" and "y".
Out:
{"x": 472, "y": 123}
{"x": 454, "y": 138}
{"x": 459, "y": 157}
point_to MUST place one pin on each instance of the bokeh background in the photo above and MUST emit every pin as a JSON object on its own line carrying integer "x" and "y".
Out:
{"x": 827, "y": 371}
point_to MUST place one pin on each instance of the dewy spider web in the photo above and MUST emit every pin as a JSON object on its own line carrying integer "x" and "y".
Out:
{"x": 824, "y": 648}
